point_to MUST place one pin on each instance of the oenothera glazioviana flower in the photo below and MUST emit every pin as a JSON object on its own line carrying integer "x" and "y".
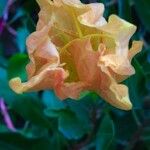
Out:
{"x": 75, "y": 49}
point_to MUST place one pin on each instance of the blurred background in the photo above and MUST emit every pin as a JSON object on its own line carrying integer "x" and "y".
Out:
{"x": 39, "y": 121}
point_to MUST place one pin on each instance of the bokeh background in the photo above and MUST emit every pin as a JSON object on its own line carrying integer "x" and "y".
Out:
{"x": 40, "y": 121}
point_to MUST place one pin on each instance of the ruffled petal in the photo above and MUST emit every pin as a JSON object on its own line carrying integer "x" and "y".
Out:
{"x": 70, "y": 90}
{"x": 43, "y": 70}
{"x": 74, "y": 49}
{"x": 83, "y": 75}
{"x": 117, "y": 96}
{"x": 119, "y": 62}
{"x": 114, "y": 93}
{"x": 136, "y": 48}
{"x": 45, "y": 80}
{"x": 119, "y": 65}
{"x": 68, "y": 18}
{"x": 121, "y": 31}
{"x": 81, "y": 54}
{"x": 57, "y": 14}
{"x": 88, "y": 14}
{"x": 93, "y": 17}
{"x": 42, "y": 52}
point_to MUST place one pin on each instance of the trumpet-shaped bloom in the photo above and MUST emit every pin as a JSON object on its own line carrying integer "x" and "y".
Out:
{"x": 75, "y": 49}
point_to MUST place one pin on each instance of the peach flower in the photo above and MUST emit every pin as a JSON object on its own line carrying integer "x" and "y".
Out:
{"x": 75, "y": 49}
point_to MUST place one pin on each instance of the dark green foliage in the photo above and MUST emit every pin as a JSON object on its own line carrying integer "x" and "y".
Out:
{"x": 44, "y": 122}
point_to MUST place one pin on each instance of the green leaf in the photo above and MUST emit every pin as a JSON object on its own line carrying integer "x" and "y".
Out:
{"x": 28, "y": 106}
{"x": 83, "y": 94}
{"x": 85, "y": 107}
{"x": 125, "y": 125}
{"x": 71, "y": 126}
{"x": 142, "y": 8}
{"x": 16, "y": 140}
{"x": 22, "y": 34}
{"x": 68, "y": 123}
{"x": 6, "y": 146}
{"x": 144, "y": 60}
{"x": 58, "y": 141}
{"x": 137, "y": 85}
{"x": 51, "y": 101}
{"x": 16, "y": 67}
{"x": 5, "y": 91}
{"x": 106, "y": 134}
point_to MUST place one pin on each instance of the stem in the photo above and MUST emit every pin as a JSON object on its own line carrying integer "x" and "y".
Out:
{"x": 136, "y": 118}
{"x": 6, "y": 116}
{"x": 5, "y": 13}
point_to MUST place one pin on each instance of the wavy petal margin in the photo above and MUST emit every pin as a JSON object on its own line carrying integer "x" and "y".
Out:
{"x": 74, "y": 49}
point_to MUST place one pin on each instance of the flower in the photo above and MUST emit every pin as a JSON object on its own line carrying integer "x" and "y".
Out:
{"x": 75, "y": 49}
